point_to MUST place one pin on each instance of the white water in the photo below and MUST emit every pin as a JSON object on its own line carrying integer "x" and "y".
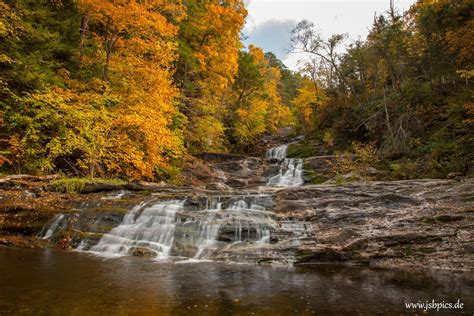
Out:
{"x": 56, "y": 222}
{"x": 291, "y": 170}
{"x": 151, "y": 227}
{"x": 192, "y": 234}
{"x": 177, "y": 228}
{"x": 238, "y": 221}
{"x": 116, "y": 195}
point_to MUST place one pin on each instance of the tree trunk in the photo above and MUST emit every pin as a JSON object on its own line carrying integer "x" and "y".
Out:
{"x": 84, "y": 31}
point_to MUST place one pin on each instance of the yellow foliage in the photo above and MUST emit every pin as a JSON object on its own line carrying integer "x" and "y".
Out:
{"x": 259, "y": 110}
{"x": 309, "y": 99}
{"x": 138, "y": 55}
{"x": 358, "y": 161}
{"x": 215, "y": 42}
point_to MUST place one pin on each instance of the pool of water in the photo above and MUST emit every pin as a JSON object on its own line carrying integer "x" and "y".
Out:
{"x": 71, "y": 283}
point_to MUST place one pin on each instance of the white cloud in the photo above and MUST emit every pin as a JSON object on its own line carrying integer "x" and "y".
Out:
{"x": 354, "y": 17}
{"x": 273, "y": 36}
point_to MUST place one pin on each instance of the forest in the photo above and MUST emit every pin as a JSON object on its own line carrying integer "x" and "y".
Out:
{"x": 133, "y": 89}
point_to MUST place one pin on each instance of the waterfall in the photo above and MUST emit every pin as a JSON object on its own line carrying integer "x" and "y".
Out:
{"x": 50, "y": 229}
{"x": 290, "y": 172}
{"x": 198, "y": 227}
{"x": 278, "y": 152}
{"x": 167, "y": 228}
{"x": 148, "y": 227}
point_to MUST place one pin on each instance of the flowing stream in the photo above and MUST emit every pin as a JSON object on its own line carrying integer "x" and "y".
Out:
{"x": 54, "y": 225}
{"x": 150, "y": 227}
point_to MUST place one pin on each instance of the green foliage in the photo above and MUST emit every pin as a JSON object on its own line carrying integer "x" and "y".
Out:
{"x": 301, "y": 150}
{"x": 256, "y": 106}
{"x": 405, "y": 169}
{"x": 416, "y": 92}
{"x": 313, "y": 176}
{"x": 73, "y": 185}
{"x": 67, "y": 105}
{"x": 171, "y": 174}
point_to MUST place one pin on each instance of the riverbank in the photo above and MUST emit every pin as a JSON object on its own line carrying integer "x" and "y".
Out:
{"x": 394, "y": 224}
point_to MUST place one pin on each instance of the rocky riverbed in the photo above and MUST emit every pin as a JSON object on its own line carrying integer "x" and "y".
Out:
{"x": 234, "y": 216}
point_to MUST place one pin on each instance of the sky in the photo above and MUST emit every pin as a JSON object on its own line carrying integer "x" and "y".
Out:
{"x": 269, "y": 22}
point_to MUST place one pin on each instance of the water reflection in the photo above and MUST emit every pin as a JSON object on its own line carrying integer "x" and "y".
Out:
{"x": 57, "y": 283}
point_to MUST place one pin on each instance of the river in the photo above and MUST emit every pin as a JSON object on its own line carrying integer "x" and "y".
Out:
{"x": 51, "y": 282}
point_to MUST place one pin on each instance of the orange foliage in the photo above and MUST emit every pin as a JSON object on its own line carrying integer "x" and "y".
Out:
{"x": 138, "y": 52}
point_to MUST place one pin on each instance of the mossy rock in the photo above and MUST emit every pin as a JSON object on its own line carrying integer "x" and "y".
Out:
{"x": 86, "y": 185}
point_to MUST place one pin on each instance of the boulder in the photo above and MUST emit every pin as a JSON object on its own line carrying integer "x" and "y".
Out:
{"x": 454, "y": 175}
{"x": 237, "y": 183}
{"x": 142, "y": 252}
{"x": 218, "y": 186}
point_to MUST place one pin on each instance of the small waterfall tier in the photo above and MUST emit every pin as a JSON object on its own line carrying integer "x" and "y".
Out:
{"x": 237, "y": 226}
{"x": 290, "y": 173}
{"x": 58, "y": 222}
{"x": 144, "y": 227}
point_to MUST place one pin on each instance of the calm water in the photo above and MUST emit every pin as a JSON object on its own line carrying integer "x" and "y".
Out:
{"x": 64, "y": 283}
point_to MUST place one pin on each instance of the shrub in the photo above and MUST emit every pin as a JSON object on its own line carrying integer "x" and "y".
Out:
{"x": 358, "y": 161}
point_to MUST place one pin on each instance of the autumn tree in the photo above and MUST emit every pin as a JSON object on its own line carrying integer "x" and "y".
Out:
{"x": 136, "y": 49}
{"x": 209, "y": 43}
{"x": 100, "y": 101}
{"x": 405, "y": 88}
{"x": 256, "y": 106}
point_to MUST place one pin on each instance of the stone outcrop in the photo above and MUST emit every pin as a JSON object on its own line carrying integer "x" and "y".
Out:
{"x": 401, "y": 223}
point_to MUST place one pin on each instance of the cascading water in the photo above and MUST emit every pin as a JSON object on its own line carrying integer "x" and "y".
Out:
{"x": 290, "y": 173}
{"x": 151, "y": 227}
{"x": 199, "y": 227}
{"x": 167, "y": 228}
{"x": 55, "y": 225}
{"x": 225, "y": 224}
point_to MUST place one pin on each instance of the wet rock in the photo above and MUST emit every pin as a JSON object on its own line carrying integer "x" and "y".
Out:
{"x": 220, "y": 157}
{"x": 319, "y": 255}
{"x": 356, "y": 245}
{"x": 237, "y": 183}
{"x": 454, "y": 175}
{"x": 142, "y": 252}
{"x": 448, "y": 218}
{"x": 384, "y": 223}
{"x": 405, "y": 238}
{"x": 7, "y": 184}
{"x": 218, "y": 186}
{"x": 232, "y": 167}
